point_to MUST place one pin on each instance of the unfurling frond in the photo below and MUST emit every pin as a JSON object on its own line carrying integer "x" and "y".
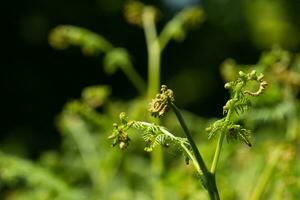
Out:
{"x": 91, "y": 43}
{"x": 134, "y": 10}
{"x": 152, "y": 134}
{"x": 155, "y": 135}
{"x": 238, "y": 104}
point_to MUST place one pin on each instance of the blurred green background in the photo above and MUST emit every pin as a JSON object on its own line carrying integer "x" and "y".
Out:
{"x": 37, "y": 80}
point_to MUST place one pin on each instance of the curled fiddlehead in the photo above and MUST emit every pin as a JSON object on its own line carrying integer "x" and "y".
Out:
{"x": 238, "y": 103}
{"x": 159, "y": 104}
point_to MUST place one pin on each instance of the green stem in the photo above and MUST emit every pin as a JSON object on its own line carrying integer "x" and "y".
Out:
{"x": 219, "y": 147}
{"x": 191, "y": 156}
{"x": 135, "y": 78}
{"x": 157, "y": 166}
{"x": 154, "y": 56}
{"x": 183, "y": 145}
{"x": 211, "y": 185}
{"x": 166, "y": 34}
{"x": 153, "y": 49}
{"x": 217, "y": 154}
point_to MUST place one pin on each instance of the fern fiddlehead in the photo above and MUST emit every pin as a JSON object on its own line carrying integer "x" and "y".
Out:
{"x": 238, "y": 103}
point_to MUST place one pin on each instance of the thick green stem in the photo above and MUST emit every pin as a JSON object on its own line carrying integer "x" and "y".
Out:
{"x": 210, "y": 183}
{"x": 153, "y": 49}
{"x": 154, "y": 56}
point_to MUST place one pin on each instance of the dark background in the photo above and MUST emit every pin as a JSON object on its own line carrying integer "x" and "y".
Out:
{"x": 37, "y": 80}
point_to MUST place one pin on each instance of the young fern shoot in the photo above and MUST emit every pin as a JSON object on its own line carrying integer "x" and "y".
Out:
{"x": 155, "y": 135}
{"x": 238, "y": 103}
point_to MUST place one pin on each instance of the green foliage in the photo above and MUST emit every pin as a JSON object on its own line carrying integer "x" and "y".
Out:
{"x": 154, "y": 135}
{"x": 276, "y": 116}
{"x": 22, "y": 173}
{"x": 86, "y": 167}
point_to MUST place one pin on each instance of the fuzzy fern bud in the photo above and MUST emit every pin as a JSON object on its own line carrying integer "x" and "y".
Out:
{"x": 133, "y": 12}
{"x": 192, "y": 16}
{"x": 187, "y": 19}
{"x": 159, "y": 105}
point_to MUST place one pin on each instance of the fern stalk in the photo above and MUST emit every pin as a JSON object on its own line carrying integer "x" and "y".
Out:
{"x": 153, "y": 49}
{"x": 219, "y": 146}
{"x": 210, "y": 183}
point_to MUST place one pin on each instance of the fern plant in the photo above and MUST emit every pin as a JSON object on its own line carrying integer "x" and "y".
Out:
{"x": 278, "y": 108}
{"x": 85, "y": 167}
{"x": 80, "y": 123}
{"x": 227, "y": 127}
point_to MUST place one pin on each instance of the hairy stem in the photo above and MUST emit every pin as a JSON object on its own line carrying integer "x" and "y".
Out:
{"x": 211, "y": 186}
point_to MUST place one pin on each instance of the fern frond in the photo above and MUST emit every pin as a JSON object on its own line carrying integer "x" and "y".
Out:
{"x": 238, "y": 104}
{"x": 154, "y": 135}
{"x": 91, "y": 43}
